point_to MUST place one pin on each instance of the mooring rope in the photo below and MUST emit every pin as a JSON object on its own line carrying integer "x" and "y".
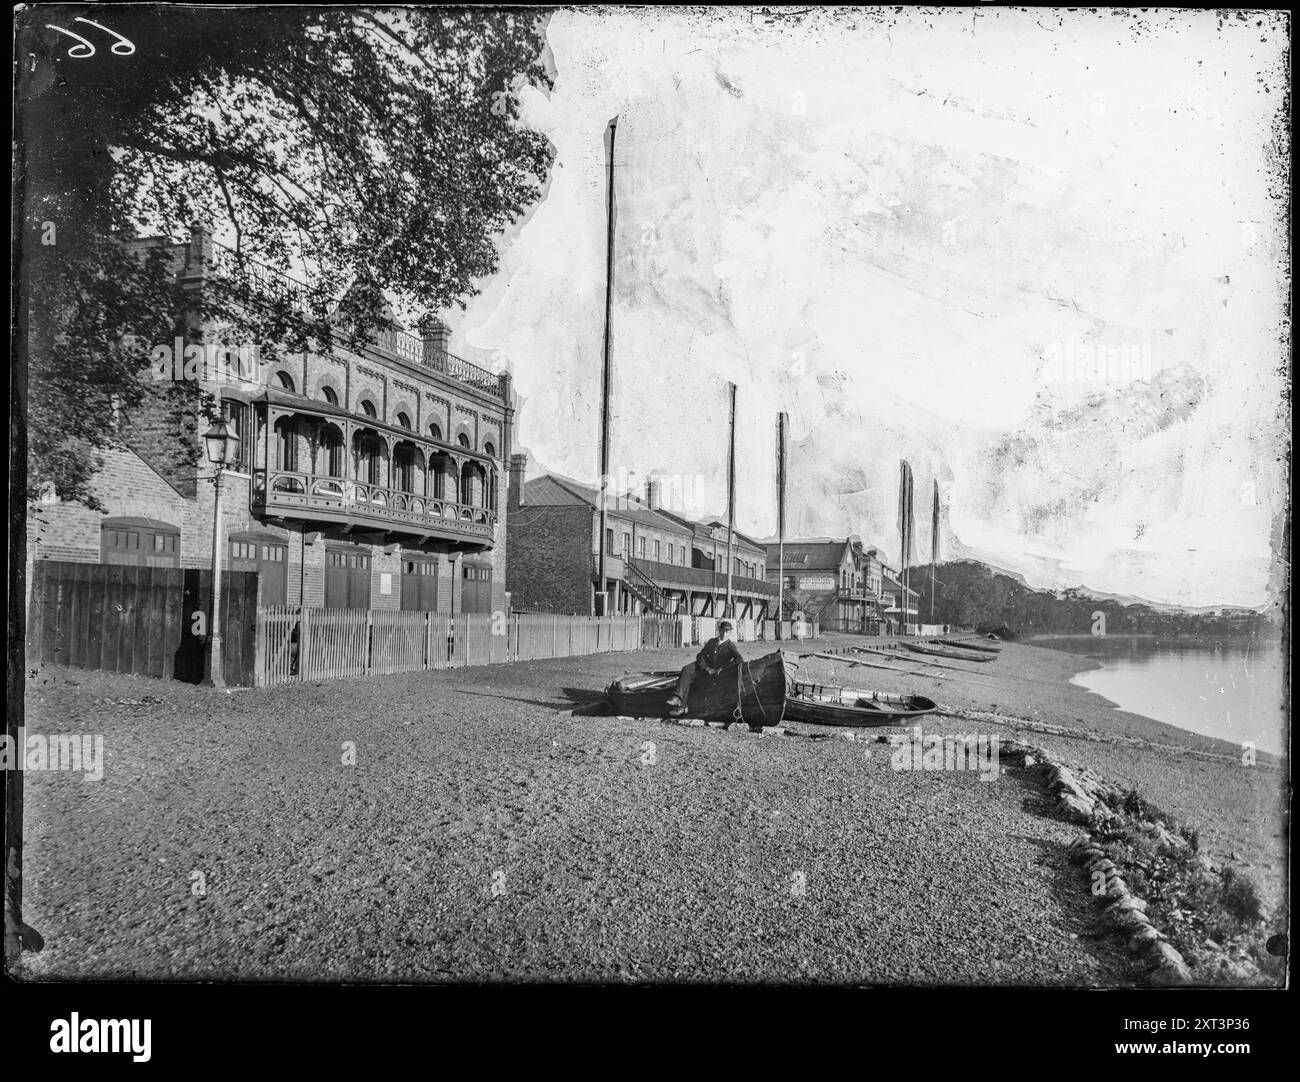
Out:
{"x": 738, "y": 714}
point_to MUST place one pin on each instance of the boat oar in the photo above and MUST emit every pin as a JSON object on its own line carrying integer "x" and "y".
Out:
{"x": 901, "y": 672}
{"x": 971, "y": 674}
{"x": 906, "y": 657}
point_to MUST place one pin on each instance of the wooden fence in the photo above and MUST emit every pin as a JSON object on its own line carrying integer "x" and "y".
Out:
{"x": 150, "y": 621}
{"x": 155, "y": 621}
{"x": 326, "y": 644}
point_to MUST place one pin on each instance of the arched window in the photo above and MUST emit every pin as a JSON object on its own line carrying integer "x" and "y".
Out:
{"x": 435, "y": 432}
{"x": 489, "y": 450}
{"x": 368, "y": 408}
{"x": 403, "y": 421}
{"x": 463, "y": 440}
{"x": 284, "y": 380}
{"x": 329, "y": 395}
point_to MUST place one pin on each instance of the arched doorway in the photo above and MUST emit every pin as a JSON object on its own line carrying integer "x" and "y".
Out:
{"x": 408, "y": 468}
{"x": 473, "y": 484}
{"x": 442, "y": 477}
{"x": 329, "y": 451}
{"x": 369, "y": 458}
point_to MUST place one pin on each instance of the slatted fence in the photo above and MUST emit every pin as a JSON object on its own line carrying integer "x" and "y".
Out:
{"x": 323, "y": 644}
{"x": 150, "y": 621}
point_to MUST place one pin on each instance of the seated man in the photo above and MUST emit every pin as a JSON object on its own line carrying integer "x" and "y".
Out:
{"x": 718, "y": 653}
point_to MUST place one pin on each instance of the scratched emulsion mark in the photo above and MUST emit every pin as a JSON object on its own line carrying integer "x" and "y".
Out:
{"x": 1041, "y": 255}
{"x": 1061, "y": 464}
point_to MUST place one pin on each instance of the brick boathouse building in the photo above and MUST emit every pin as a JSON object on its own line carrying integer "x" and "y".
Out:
{"x": 366, "y": 479}
{"x": 656, "y": 561}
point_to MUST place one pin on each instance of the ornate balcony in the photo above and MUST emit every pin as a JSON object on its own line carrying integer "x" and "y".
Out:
{"x": 858, "y": 593}
{"x": 321, "y": 498}
{"x": 210, "y": 258}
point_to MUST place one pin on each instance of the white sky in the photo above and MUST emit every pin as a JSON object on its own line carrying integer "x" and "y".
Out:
{"x": 907, "y": 230}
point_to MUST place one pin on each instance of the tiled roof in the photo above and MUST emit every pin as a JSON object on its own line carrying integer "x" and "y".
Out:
{"x": 551, "y": 491}
{"x": 809, "y": 555}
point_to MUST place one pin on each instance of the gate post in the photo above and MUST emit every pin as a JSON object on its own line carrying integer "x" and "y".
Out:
{"x": 304, "y": 641}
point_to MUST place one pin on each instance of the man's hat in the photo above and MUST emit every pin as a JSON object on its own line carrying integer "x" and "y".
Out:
{"x": 726, "y": 625}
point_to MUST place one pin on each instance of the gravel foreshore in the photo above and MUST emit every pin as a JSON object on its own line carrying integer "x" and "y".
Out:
{"x": 1239, "y": 811}
{"x": 485, "y": 833}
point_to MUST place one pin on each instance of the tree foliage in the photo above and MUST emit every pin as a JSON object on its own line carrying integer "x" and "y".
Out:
{"x": 969, "y": 594}
{"x": 334, "y": 145}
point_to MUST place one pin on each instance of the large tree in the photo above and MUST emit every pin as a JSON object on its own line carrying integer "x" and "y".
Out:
{"x": 335, "y": 144}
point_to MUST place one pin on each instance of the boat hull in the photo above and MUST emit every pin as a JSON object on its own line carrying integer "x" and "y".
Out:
{"x": 859, "y": 709}
{"x": 979, "y": 647}
{"x": 760, "y": 693}
{"x": 947, "y": 651}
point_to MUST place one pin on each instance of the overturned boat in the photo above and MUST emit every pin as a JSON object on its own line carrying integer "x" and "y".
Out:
{"x": 753, "y": 693}
{"x": 952, "y": 652}
{"x": 970, "y": 644}
{"x": 822, "y": 704}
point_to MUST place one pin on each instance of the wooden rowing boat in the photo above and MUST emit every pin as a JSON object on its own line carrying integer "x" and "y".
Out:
{"x": 983, "y": 648}
{"x": 947, "y": 651}
{"x": 758, "y": 687}
{"x": 823, "y": 705}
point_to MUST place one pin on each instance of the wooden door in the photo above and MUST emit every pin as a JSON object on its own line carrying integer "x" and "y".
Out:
{"x": 476, "y": 588}
{"x": 347, "y": 579}
{"x": 420, "y": 583}
{"x": 270, "y": 560}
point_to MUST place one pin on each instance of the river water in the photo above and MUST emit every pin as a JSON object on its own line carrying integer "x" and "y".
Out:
{"x": 1232, "y": 690}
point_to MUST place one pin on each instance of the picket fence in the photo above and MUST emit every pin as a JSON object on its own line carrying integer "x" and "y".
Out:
{"x": 328, "y": 644}
{"x": 295, "y": 644}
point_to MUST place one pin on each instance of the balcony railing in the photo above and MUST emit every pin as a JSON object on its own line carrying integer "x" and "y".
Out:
{"x": 405, "y": 345}
{"x": 857, "y": 593}
{"x": 266, "y": 281}
{"x": 317, "y": 496}
{"x": 677, "y": 576}
{"x": 463, "y": 371}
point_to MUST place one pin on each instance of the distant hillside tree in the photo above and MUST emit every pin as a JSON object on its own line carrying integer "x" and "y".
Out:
{"x": 970, "y": 594}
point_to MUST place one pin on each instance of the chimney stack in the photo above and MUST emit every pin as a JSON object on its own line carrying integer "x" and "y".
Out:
{"x": 437, "y": 339}
{"x": 515, "y": 492}
{"x": 652, "y": 492}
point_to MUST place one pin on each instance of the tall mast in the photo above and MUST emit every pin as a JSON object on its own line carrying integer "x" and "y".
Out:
{"x": 731, "y": 492}
{"x": 602, "y": 598}
{"x": 780, "y": 519}
{"x": 934, "y": 545}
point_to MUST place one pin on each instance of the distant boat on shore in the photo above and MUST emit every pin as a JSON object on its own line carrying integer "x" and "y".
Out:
{"x": 983, "y": 648}
{"x": 947, "y": 651}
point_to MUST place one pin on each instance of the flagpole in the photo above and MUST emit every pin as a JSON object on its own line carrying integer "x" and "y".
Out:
{"x": 602, "y": 597}
{"x": 780, "y": 519}
{"x": 731, "y": 492}
{"x": 934, "y": 546}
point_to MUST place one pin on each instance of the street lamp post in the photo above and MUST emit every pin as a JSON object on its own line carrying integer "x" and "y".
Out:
{"x": 223, "y": 451}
